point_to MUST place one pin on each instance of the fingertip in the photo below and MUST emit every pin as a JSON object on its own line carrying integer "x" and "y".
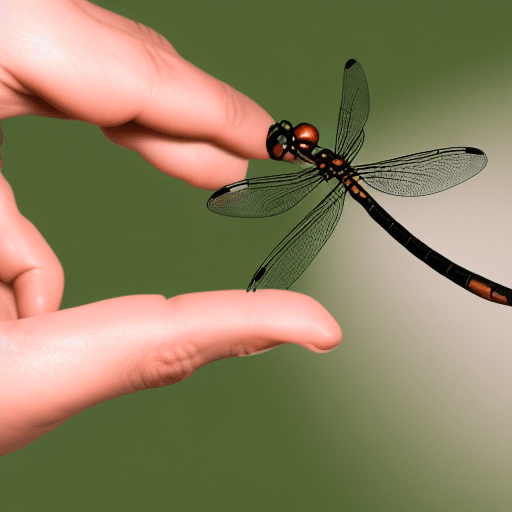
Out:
{"x": 293, "y": 317}
{"x": 239, "y": 323}
{"x": 327, "y": 337}
{"x": 325, "y": 333}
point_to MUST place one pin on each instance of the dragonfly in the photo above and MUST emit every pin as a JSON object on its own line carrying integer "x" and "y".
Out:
{"x": 413, "y": 175}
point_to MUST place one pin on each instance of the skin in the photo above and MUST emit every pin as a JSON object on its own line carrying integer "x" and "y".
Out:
{"x": 74, "y": 60}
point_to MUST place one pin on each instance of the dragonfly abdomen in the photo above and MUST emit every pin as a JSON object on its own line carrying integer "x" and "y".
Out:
{"x": 474, "y": 283}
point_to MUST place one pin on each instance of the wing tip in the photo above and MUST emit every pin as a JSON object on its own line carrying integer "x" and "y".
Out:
{"x": 220, "y": 192}
{"x": 215, "y": 195}
{"x": 258, "y": 276}
{"x": 350, "y": 63}
{"x": 234, "y": 187}
{"x": 474, "y": 151}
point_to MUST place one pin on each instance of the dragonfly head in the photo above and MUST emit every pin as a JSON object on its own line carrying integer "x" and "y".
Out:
{"x": 285, "y": 142}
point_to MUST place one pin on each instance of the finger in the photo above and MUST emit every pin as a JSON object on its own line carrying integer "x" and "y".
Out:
{"x": 27, "y": 263}
{"x": 202, "y": 164}
{"x": 145, "y": 34}
{"x": 105, "y": 75}
{"x": 70, "y": 360}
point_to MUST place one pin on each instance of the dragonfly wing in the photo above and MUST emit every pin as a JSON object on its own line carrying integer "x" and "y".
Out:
{"x": 265, "y": 196}
{"x": 354, "y": 110}
{"x": 358, "y": 144}
{"x": 424, "y": 173}
{"x": 299, "y": 248}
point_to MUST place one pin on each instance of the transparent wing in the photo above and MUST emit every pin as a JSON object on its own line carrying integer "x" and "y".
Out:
{"x": 265, "y": 196}
{"x": 424, "y": 173}
{"x": 354, "y": 110}
{"x": 354, "y": 150}
{"x": 299, "y": 248}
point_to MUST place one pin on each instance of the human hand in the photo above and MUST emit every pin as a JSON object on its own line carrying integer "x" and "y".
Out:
{"x": 73, "y": 60}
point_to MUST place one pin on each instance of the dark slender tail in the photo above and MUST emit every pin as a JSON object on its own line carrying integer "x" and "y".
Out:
{"x": 472, "y": 282}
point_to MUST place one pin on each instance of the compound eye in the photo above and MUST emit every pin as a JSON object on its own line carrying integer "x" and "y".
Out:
{"x": 307, "y": 137}
{"x": 306, "y": 132}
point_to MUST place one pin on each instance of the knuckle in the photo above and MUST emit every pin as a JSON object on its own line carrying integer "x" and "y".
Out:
{"x": 169, "y": 366}
{"x": 152, "y": 37}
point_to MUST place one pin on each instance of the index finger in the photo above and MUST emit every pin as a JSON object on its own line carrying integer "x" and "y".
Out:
{"x": 108, "y": 73}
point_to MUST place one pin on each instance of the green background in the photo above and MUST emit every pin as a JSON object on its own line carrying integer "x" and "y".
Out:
{"x": 413, "y": 411}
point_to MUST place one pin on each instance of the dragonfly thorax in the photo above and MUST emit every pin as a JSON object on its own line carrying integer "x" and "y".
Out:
{"x": 330, "y": 164}
{"x": 286, "y": 142}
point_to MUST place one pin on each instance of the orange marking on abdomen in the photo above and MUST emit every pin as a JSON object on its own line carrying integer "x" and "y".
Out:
{"x": 356, "y": 190}
{"x": 500, "y": 299}
{"x": 481, "y": 289}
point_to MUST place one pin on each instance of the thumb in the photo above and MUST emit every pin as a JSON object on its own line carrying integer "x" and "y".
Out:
{"x": 66, "y": 361}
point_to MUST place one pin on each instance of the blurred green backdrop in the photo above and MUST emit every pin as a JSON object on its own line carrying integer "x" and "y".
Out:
{"x": 413, "y": 411}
